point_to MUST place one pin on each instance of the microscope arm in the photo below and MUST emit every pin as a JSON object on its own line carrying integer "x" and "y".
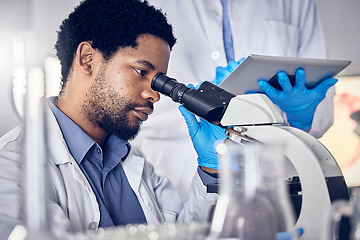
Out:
{"x": 250, "y": 109}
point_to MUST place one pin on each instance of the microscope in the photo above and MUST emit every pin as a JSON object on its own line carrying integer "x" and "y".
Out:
{"x": 316, "y": 181}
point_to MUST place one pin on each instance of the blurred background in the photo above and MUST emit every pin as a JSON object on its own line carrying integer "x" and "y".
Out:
{"x": 28, "y": 33}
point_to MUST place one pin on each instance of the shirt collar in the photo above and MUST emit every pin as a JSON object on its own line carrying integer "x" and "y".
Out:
{"x": 117, "y": 146}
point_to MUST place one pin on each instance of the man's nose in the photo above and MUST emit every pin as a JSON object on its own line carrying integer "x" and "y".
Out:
{"x": 151, "y": 95}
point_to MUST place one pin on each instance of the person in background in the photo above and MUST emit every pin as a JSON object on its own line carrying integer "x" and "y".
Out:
{"x": 109, "y": 52}
{"x": 212, "y": 38}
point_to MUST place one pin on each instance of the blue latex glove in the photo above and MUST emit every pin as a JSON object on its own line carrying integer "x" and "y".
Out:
{"x": 223, "y": 72}
{"x": 298, "y": 102}
{"x": 204, "y": 136}
{"x": 287, "y": 235}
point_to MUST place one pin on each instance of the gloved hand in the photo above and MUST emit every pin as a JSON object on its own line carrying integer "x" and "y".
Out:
{"x": 223, "y": 72}
{"x": 287, "y": 235}
{"x": 298, "y": 102}
{"x": 204, "y": 136}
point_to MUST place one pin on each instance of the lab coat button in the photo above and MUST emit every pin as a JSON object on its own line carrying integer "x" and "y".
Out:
{"x": 215, "y": 55}
{"x": 93, "y": 226}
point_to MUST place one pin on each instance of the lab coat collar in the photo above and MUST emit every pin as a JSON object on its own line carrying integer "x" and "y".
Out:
{"x": 133, "y": 168}
{"x": 59, "y": 152}
{"x": 78, "y": 142}
{"x": 56, "y": 143}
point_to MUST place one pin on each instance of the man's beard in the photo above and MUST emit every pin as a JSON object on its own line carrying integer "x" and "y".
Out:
{"x": 105, "y": 108}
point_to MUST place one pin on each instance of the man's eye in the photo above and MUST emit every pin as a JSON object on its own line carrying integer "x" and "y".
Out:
{"x": 140, "y": 71}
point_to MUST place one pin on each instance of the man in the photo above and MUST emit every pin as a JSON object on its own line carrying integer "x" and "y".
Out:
{"x": 215, "y": 33}
{"x": 109, "y": 51}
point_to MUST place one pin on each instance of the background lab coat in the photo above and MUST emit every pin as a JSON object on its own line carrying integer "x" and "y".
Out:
{"x": 73, "y": 204}
{"x": 271, "y": 27}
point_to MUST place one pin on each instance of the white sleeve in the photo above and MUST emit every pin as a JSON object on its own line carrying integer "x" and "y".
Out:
{"x": 199, "y": 204}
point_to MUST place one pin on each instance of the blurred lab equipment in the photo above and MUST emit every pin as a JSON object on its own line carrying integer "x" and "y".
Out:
{"x": 19, "y": 74}
{"x": 28, "y": 93}
{"x": 338, "y": 211}
{"x": 165, "y": 231}
{"x": 36, "y": 219}
{"x": 253, "y": 203}
{"x": 356, "y": 117}
{"x": 254, "y": 118}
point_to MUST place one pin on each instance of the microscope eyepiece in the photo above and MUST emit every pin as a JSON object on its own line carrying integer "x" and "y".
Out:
{"x": 169, "y": 87}
{"x": 208, "y": 101}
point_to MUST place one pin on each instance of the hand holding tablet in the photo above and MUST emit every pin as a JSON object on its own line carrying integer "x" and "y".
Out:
{"x": 297, "y": 101}
{"x": 296, "y": 85}
{"x": 245, "y": 77}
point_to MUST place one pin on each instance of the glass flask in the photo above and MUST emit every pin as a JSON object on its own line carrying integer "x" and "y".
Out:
{"x": 253, "y": 202}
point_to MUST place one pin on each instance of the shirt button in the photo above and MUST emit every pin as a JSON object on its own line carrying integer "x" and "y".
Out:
{"x": 98, "y": 150}
{"x": 93, "y": 226}
{"x": 215, "y": 55}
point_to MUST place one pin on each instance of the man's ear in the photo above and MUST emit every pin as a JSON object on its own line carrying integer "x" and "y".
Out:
{"x": 84, "y": 57}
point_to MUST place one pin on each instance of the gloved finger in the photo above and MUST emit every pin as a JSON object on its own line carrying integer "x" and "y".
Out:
{"x": 284, "y": 82}
{"x": 221, "y": 74}
{"x": 288, "y": 235}
{"x": 269, "y": 90}
{"x": 283, "y": 236}
{"x": 232, "y": 65}
{"x": 299, "y": 231}
{"x": 300, "y": 79}
{"x": 190, "y": 85}
{"x": 325, "y": 85}
{"x": 191, "y": 121}
{"x": 254, "y": 92}
{"x": 218, "y": 131}
{"x": 241, "y": 60}
{"x": 216, "y": 81}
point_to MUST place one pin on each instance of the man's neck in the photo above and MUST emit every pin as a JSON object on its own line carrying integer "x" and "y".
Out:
{"x": 70, "y": 109}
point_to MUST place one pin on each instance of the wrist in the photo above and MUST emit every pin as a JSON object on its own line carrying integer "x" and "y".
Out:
{"x": 209, "y": 170}
{"x": 302, "y": 125}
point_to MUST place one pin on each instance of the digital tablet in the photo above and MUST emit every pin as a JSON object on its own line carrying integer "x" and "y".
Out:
{"x": 255, "y": 67}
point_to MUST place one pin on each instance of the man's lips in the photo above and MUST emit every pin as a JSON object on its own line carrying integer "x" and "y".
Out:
{"x": 143, "y": 113}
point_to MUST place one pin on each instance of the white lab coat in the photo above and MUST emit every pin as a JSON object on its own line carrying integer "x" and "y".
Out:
{"x": 270, "y": 27}
{"x": 73, "y": 206}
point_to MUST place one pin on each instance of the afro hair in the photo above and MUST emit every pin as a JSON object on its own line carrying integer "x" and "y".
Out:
{"x": 109, "y": 25}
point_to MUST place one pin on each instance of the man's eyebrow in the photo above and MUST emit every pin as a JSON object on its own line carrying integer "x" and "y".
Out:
{"x": 146, "y": 63}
